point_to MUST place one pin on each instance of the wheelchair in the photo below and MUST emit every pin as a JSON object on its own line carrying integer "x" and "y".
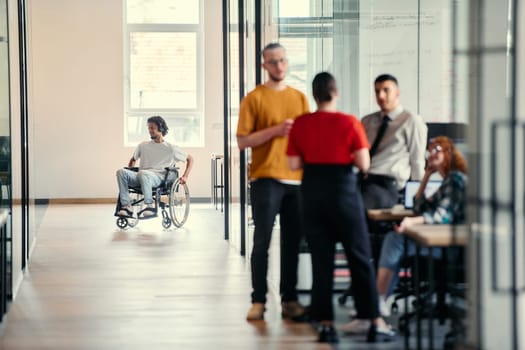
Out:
{"x": 174, "y": 211}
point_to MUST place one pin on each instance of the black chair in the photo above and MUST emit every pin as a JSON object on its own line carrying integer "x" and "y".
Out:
{"x": 447, "y": 285}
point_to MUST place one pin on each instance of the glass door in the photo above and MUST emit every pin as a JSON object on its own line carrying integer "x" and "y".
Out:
{"x": 241, "y": 34}
{"x": 489, "y": 55}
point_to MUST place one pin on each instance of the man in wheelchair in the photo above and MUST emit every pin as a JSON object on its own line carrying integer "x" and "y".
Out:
{"x": 155, "y": 156}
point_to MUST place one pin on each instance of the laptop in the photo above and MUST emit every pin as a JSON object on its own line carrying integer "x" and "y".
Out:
{"x": 411, "y": 190}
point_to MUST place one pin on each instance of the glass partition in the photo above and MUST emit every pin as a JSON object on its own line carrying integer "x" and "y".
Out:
{"x": 240, "y": 76}
{"x": 357, "y": 40}
{"x": 5, "y": 166}
{"x": 5, "y": 140}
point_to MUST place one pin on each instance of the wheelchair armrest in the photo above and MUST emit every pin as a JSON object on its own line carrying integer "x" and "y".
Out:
{"x": 132, "y": 168}
{"x": 167, "y": 177}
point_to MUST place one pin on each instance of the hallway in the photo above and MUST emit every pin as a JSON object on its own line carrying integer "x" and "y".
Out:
{"x": 91, "y": 286}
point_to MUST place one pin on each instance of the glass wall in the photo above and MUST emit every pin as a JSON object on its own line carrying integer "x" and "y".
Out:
{"x": 240, "y": 77}
{"x": 5, "y": 166}
{"x": 305, "y": 29}
{"x": 458, "y": 63}
{"x": 358, "y": 40}
{"x": 489, "y": 55}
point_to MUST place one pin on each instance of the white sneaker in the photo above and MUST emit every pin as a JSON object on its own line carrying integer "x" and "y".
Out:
{"x": 357, "y": 326}
{"x": 384, "y": 309}
{"x": 149, "y": 211}
{"x": 126, "y": 211}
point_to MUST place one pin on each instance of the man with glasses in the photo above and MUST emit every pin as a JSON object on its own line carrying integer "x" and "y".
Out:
{"x": 265, "y": 118}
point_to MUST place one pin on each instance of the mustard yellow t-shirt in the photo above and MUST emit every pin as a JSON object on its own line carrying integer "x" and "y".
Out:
{"x": 261, "y": 109}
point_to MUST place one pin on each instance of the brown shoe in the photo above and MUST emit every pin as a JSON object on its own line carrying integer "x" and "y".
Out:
{"x": 256, "y": 312}
{"x": 292, "y": 309}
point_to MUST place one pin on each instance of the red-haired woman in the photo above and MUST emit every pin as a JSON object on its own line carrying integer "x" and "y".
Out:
{"x": 445, "y": 206}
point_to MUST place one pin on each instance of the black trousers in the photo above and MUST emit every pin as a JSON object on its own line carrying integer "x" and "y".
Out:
{"x": 333, "y": 211}
{"x": 269, "y": 198}
{"x": 378, "y": 191}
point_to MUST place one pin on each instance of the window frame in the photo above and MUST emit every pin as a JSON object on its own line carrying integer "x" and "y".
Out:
{"x": 167, "y": 113}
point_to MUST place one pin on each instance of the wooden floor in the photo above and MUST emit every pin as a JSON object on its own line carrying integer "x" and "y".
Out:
{"x": 92, "y": 286}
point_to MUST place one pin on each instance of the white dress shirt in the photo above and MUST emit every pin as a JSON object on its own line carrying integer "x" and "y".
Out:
{"x": 401, "y": 152}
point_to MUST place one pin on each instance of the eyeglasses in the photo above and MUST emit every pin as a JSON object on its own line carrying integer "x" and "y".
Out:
{"x": 433, "y": 151}
{"x": 276, "y": 62}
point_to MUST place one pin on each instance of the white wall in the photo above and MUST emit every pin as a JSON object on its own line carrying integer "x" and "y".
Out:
{"x": 76, "y": 93}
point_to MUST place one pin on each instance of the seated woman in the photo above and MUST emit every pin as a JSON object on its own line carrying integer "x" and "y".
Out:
{"x": 445, "y": 206}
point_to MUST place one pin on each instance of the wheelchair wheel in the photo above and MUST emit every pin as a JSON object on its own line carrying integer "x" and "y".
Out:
{"x": 122, "y": 222}
{"x": 166, "y": 223}
{"x": 179, "y": 202}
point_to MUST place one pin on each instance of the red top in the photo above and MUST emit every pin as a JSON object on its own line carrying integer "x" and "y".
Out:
{"x": 326, "y": 138}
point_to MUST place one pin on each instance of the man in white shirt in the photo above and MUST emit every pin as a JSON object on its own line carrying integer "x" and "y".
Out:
{"x": 398, "y": 142}
{"x": 399, "y": 153}
{"x": 155, "y": 155}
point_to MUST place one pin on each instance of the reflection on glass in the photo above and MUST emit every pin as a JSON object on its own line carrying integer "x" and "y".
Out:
{"x": 358, "y": 40}
{"x": 306, "y": 31}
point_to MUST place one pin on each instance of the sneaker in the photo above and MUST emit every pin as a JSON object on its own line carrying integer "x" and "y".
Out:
{"x": 380, "y": 333}
{"x": 256, "y": 312}
{"x": 126, "y": 211}
{"x": 384, "y": 310}
{"x": 292, "y": 310}
{"x": 148, "y": 212}
{"x": 357, "y": 326}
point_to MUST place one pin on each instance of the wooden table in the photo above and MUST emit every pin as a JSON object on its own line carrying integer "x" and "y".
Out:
{"x": 438, "y": 235}
{"x": 431, "y": 236}
{"x": 389, "y": 214}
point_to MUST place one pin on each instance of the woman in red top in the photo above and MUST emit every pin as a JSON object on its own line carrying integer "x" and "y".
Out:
{"x": 328, "y": 145}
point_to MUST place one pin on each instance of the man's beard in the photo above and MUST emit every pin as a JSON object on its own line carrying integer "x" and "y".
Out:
{"x": 275, "y": 79}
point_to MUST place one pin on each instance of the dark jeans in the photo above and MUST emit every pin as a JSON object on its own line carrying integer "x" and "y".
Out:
{"x": 333, "y": 211}
{"x": 269, "y": 198}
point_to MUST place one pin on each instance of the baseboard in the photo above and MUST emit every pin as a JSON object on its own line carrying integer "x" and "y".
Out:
{"x": 94, "y": 200}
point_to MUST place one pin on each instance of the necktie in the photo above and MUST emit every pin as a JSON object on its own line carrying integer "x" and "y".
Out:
{"x": 380, "y": 134}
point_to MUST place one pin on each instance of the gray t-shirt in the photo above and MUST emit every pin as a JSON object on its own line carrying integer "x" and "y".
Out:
{"x": 157, "y": 156}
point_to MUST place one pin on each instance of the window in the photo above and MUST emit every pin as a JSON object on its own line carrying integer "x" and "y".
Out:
{"x": 306, "y": 31}
{"x": 164, "y": 69}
